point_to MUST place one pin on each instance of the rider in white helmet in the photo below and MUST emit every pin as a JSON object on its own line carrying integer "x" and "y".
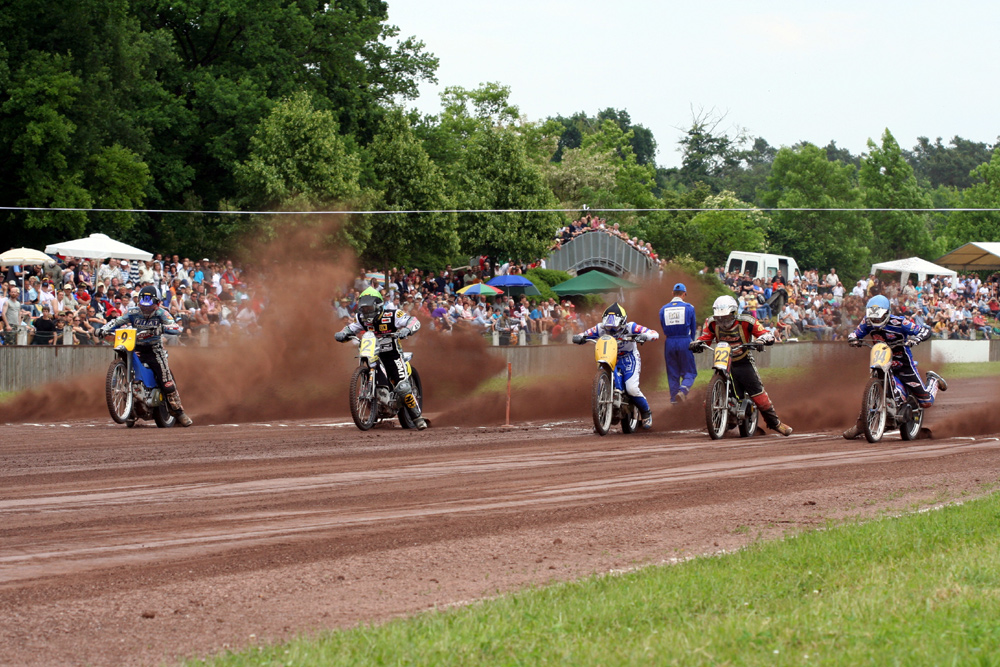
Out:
{"x": 727, "y": 325}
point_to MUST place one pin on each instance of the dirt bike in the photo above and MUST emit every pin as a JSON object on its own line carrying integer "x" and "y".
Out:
{"x": 372, "y": 396}
{"x": 610, "y": 403}
{"x": 726, "y": 404}
{"x": 130, "y": 388}
{"x": 886, "y": 404}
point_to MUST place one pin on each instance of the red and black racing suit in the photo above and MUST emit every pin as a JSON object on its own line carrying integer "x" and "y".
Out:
{"x": 743, "y": 369}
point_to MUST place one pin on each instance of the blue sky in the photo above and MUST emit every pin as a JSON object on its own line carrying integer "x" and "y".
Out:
{"x": 786, "y": 71}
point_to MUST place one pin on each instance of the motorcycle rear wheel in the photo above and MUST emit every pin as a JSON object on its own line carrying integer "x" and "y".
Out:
{"x": 162, "y": 416}
{"x": 873, "y": 410}
{"x": 910, "y": 430}
{"x": 118, "y": 391}
{"x": 418, "y": 393}
{"x": 630, "y": 418}
{"x": 601, "y": 401}
{"x": 717, "y": 407}
{"x": 749, "y": 421}
{"x": 364, "y": 408}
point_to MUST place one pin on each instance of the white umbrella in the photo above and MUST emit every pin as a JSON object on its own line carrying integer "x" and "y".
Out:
{"x": 23, "y": 257}
{"x": 98, "y": 246}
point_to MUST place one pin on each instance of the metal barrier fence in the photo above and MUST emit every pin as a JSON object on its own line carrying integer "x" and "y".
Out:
{"x": 24, "y": 367}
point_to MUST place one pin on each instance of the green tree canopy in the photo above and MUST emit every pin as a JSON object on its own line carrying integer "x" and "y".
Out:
{"x": 965, "y": 226}
{"x": 887, "y": 181}
{"x": 720, "y": 231}
{"x": 803, "y": 177}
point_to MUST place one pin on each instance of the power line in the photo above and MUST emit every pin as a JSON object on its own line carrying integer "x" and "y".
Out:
{"x": 500, "y": 210}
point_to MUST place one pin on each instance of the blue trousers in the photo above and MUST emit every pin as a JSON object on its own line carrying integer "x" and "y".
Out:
{"x": 681, "y": 369}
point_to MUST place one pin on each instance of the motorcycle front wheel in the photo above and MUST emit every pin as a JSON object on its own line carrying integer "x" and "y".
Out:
{"x": 418, "y": 393}
{"x": 910, "y": 430}
{"x": 118, "y": 391}
{"x": 601, "y": 401}
{"x": 716, "y": 407}
{"x": 363, "y": 400}
{"x": 873, "y": 409}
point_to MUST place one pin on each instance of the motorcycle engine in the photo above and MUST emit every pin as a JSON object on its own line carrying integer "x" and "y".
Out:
{"x": 386, "y": 398}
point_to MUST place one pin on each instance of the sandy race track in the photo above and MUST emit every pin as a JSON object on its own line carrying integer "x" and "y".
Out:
{"x": 144, "y": 546}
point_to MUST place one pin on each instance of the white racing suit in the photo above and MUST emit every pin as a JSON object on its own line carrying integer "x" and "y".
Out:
{"x": 390, "y": 352}
{"x": 629, "y": 360}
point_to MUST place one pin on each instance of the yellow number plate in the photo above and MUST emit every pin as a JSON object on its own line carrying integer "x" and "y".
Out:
{"x": 881, "y": 356}
{"x": 722, "y": 355}
{"x": 125, "y": 338}
{"x": 607, "y": 350}
{"x": 368, "y": 346}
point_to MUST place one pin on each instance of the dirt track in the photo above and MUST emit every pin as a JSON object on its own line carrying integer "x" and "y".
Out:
{"x": 119, "y": 549}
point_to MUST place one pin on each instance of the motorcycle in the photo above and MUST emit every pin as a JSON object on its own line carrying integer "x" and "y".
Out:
{"x": 610, "y": 403}
{"x": 726, "y": 404}
{"x": 886, "y": 404}
{"x": 372, "y": 396}
{"x": 130, "y": 387}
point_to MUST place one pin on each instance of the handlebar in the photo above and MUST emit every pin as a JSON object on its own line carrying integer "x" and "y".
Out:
{"x": 752, "y": 345}
{"x": 865, "y": 343}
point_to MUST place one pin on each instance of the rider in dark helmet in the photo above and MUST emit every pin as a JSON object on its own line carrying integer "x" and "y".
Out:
{"x": 371, "y": 315}
{"x": 150, "y": 321}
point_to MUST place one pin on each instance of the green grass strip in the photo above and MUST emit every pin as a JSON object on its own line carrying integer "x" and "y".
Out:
{"x": 923, "y": 589}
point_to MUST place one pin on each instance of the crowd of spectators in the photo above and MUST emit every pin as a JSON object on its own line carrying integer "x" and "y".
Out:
{"x": 81, "y": 295}
{"x": 589, "y": 223}
{"x": 822, "y": 307}
{"x": 435, "y": 299}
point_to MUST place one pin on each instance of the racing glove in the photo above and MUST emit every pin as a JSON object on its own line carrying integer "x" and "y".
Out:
{"x": 910, "y": 342}
{"x": 403, "y": 332}
{"x": 641, "y": 338}
{"x": 340, "y": 336}
{"x": 696, "y": 345}
{"x": 579, "y": 339}
{"x": 767, "y": 339}
{"x": 853, "y": 341}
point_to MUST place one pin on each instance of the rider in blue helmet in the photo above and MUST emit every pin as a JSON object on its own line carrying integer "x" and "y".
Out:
{"x": 150, "y": 321}
{"x": 900, "y": 334}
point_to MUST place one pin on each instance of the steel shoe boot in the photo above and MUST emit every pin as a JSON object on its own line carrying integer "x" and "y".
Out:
{"x": 941, "y": 382}
{"x": 177, "y": 410}
{"x": 421, "y": 423}
{"x": 853, "y": 432}
{"x": 647, "y": 420}
{"x": 183, "y": 419}
{"x": 783, "y": 429}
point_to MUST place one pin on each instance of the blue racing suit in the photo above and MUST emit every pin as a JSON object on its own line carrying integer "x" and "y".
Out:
{"x": 680, "y": 326}
{"x": 894, "y": 333}
{"x": 629, "y": 363}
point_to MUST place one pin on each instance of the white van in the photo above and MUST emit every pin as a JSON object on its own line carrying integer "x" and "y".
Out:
{"x": 762, "y": 265}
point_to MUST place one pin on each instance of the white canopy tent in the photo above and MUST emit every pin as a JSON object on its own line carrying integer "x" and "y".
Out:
{"x": 913, "y": 265}
{"x": 974, "y": 256}
{"x": 98, "y": 246}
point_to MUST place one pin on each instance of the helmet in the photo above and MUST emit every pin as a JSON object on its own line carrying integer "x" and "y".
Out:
{"x": 370, "y": 305}
{"x": 724, "y": 311}
{"x": 877, "y": 310}
{"x": 614, "y": 319}
{"x": 148, "y": 300}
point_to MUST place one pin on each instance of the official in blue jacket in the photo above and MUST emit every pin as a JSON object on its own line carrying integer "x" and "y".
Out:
{"x": 680, "y": 327}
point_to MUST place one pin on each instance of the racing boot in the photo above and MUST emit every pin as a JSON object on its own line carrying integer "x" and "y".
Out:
{"x": 857, "y": 430}
{"x": 783, "y": 429}
{"x": 942, "y": 384}
{"x": 177, "y": 410}
{"x": 647, "y": 419}
{"x": 766, "y": 409}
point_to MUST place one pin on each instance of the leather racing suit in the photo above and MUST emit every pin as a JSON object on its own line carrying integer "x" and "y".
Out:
{"x": 629, "y": 361}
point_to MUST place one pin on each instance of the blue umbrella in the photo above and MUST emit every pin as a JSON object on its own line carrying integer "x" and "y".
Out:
{"x": 515, "y": 285}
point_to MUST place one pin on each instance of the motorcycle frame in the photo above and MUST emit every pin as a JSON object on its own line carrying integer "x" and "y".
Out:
{"x": 722, "y": 363}
{"x": 369, "y": 359}
{"x": 880, "y": 362}
{"x": 151, "y": 397}
{"x": 606, "y": 355}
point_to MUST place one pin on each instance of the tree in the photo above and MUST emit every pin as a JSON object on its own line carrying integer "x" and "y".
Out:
{"x": 721, "y": 230}
{"x": 804, "y": 178}
{"x": 887, "y": 181}
{"x": 407, "y": 180}
{"x": 709, "y": 155}
{"x": 298, "y": 161}
{"x": 965, "y": 226}
{"x": 495, "y": 173}
{"x": 951, "y": 166}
